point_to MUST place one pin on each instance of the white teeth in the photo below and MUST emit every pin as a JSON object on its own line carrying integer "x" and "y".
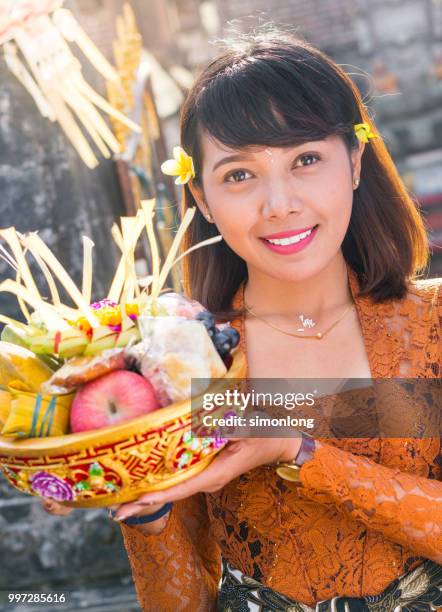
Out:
{"x": 291, "y": 240}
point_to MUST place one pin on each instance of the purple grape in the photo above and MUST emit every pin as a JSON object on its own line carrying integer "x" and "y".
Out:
{"x": 207, "y": 318}
{"x": 233, "y": 335}
{"x": 224, "y": 339}
{"x": 223, "y": 343}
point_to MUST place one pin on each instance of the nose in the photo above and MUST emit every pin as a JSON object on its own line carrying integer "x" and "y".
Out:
{"x": 281, "y": 200}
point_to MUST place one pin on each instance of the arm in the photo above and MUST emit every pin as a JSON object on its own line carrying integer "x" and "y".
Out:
{"x": 179, "y": 568}
{"x": 405, "y": 507}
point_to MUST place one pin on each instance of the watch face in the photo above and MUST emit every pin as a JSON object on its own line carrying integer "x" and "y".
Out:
{"x": 288, "y": 472}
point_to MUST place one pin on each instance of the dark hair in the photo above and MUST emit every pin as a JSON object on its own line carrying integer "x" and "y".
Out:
{"x": 276, "y": 90}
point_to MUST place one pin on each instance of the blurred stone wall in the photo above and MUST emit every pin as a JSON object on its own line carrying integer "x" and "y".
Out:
{"x": 45, "y": 186}
{"x": 80, "y": 555}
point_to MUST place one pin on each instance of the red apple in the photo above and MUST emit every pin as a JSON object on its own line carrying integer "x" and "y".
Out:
{"x": 111, "y": 399}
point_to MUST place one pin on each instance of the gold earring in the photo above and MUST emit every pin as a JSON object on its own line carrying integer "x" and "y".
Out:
{"x": 356, "y": 183}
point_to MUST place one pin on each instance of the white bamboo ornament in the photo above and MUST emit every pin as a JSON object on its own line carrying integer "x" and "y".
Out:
{"x": 39, "y": 30}
{"x": 59, "y": 319}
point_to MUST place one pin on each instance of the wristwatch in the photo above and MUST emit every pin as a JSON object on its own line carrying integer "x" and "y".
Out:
{"x": 289, "y": 470}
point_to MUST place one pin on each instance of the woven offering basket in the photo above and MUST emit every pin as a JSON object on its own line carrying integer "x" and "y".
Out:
{"x": 116, "y": 464}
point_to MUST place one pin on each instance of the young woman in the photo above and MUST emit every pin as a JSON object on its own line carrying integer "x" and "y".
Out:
{"x": 315, "y": 222}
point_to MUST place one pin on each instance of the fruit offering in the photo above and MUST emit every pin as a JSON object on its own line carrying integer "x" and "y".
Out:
{"x": 86, "y": 345}
{"x": 80, "y": 370}
{"x": 225, "y": 338}
{"x": 114, "y": 398}
{"x": 102, "y": 389}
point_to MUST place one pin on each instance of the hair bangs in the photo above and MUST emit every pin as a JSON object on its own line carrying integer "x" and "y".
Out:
{"x": 257, "y": 103}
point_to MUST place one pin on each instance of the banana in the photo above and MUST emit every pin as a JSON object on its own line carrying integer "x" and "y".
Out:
{"x": 19, "y": 364}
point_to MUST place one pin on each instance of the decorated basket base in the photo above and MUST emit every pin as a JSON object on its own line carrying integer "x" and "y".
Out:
{"x": 116, "y": 464}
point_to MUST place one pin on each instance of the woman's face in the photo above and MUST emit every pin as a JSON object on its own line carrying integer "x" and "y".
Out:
{"x": 285, "y": 211}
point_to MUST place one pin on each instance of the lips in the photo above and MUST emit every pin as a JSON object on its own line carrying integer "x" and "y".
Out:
{"x": 298, "y": 244}
{"x": 288, "y": 233}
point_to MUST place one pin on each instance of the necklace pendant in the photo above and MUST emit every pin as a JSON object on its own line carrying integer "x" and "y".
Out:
{"x": 307, "y": 323}
{"x": 319, "y": 335}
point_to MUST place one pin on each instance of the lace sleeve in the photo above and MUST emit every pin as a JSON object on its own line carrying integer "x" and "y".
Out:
{"x": 405, "y": 507}
{"x": 178, "y": 569}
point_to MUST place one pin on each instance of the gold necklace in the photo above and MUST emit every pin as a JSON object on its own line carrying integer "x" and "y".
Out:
{"x": 317, "y": 336}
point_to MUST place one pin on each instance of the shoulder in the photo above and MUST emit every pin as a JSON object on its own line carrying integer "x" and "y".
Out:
{"x": 421, "y": 305}
{"x": 428, "y": 292}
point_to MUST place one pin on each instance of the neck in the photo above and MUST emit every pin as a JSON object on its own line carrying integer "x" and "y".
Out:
{"x": 313, "y": 296}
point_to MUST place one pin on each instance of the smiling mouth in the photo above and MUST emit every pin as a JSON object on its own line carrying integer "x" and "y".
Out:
{"x": 291, "y": 239}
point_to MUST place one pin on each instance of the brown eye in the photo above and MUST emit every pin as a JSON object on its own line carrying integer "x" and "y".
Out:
{"x": 308, "y": 159}
{"x": 238, "y": 176}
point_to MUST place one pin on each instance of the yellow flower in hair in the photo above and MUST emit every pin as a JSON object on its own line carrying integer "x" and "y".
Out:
{"x": 364, "y": 132}
{"x": 181, "y": 166}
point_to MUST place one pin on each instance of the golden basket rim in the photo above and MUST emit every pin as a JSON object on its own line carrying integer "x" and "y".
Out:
{"x": 34, "y": 447}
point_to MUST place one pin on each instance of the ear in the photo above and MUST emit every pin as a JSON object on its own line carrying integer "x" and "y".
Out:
{"x": 356, "y": 159}
{"x": 198, "y": 196}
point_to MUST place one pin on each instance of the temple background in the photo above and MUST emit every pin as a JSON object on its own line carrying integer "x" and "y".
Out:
{"x": 45, "y": 186}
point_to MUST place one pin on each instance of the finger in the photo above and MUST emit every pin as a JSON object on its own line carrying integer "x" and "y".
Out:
{"x": 47, "y": 505}
{"x": 129, "y": 509}
{"x": 52, "y": 507}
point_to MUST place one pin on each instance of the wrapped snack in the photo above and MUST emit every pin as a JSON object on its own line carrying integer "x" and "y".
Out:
{"x": 19, "y": 364}
{"x": 33, "y": 415}
{"x": 5, "y": 406}
{"x": 175, "y": 351}
{"x": 173, "y": 304}
{"x": 80, "y": 370}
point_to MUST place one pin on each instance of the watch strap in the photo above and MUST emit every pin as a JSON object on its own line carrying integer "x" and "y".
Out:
{"x": 289, "y": 470}
{"x": 306, "y": 450}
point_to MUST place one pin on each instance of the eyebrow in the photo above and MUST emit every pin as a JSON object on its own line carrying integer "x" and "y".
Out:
{"x": 243, "y": 156}
{"x": 230, "y": 158}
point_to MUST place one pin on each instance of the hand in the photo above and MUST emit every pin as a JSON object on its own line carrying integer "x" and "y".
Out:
{"x": 237, "y": 457}
{"x": 52, "y": 507}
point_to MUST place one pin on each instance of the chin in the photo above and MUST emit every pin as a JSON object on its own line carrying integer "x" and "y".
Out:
{"x": 302, "y": 270}
{"x": 297, "y": 273}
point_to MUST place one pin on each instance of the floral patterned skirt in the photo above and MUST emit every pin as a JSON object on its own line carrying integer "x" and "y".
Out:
{"x": 417, "y": 591}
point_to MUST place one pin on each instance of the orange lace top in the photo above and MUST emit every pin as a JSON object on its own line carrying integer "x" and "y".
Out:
{"x": 367, "y": 511}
